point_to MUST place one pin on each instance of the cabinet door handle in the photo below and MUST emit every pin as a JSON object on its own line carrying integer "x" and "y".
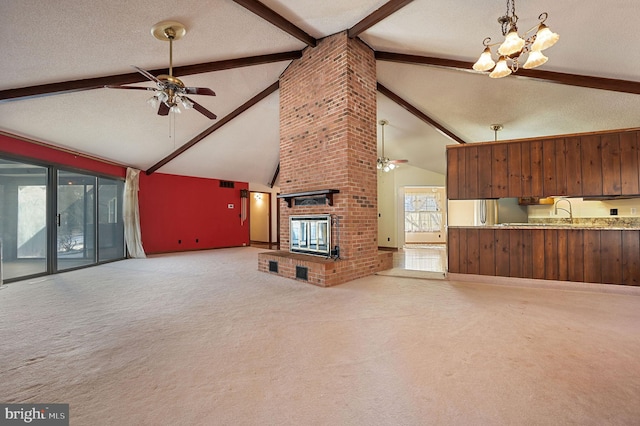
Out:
{"x": 58, "y": 219}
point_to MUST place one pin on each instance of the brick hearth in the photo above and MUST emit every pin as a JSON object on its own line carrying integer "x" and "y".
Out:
{"x": 328, "y": 140}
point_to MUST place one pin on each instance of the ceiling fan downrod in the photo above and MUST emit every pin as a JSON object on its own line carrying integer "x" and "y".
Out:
{"x": 171, "y": 34}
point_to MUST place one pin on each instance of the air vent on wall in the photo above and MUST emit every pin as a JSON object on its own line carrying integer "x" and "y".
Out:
{"x": 226, "y": 184}
{"x": 302, "y": 273}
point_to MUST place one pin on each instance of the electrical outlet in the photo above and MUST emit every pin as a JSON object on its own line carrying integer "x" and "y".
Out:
{"x": 634, "y": 210}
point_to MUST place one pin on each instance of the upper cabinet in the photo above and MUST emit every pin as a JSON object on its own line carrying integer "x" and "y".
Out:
{"x": 603, "y": 164}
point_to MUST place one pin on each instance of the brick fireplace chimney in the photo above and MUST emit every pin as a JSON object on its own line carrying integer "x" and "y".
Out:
{"x": 328, "y": 141}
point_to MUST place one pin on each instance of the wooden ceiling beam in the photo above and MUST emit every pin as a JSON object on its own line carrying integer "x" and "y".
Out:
{"x": 421, "y": 115}
{"x": 226, "y": 119}
{"x": 614, "y": 85}
{"x": 136, "y": 77}
{"x": 383, "y": 12}
{"x": 278, "y": 20}
{"x": 275, "y": 176}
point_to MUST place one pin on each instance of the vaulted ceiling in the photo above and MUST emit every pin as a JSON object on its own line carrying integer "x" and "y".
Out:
{"x": 57, "y": 56}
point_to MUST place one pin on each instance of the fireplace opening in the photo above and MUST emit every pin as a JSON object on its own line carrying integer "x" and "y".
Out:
{"x": 310, "y": 234}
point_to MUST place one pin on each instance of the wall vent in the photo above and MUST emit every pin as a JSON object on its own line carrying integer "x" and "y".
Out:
{"x": 227, "y": 184}
{"x": 302, "y": 273}
{"x": 273, "y": 266}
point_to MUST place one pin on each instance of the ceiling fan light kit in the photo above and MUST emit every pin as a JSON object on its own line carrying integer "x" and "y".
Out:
{"x": 514, "y": 47}
{"x": 171, "y": 93}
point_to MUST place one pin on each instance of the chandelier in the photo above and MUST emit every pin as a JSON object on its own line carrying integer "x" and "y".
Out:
{"x": 514, "y": 47}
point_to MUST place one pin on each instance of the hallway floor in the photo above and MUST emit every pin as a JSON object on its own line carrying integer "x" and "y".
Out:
{"x": 422, "y": 257}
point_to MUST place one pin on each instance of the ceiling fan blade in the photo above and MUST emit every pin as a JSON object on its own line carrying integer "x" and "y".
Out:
{"x": 199, "y": 91}
{"x": 398, "y": 161}
{"x": 202, "y": 110}
{"x": 149, "y": 76}
{"x": 163, "y": 109}
{"x": 131, "y": 87}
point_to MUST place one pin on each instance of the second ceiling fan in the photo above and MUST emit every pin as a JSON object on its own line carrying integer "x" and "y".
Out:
{"x": 170, "y": 91}
{"x": 384, "y": 163}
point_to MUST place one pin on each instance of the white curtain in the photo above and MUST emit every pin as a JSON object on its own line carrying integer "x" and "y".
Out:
{"x": 131, "y": 214}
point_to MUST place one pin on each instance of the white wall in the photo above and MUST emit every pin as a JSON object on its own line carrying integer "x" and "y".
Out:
{"x": 461, "y": 213}
{"x": 391, "y": 200}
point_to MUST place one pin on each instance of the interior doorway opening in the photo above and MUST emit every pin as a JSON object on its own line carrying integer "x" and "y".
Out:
{"x": 423, "y": 220}
{"x": 260, "y": 230}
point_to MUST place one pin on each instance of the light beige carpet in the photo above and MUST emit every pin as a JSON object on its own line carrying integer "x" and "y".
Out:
{"x": 203, "y": 338}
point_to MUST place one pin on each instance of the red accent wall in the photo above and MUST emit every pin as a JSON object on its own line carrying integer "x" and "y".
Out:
{"x": 172, "y": 207}
{"x": 59, "y": 157}
{"x": 175, "y": 211}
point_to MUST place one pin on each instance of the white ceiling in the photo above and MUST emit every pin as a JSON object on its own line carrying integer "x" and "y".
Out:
{"x": 48, "y": 42}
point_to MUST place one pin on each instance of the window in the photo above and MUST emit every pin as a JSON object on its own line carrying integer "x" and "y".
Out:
{"x": 422, "y": 212}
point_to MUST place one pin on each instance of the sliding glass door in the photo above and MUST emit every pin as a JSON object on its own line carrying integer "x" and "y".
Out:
{"x": 23, "y": 219}
{"x": 54, "y": 220}
{"x": 110, "y": 224}
{"x": 76, "y": 226}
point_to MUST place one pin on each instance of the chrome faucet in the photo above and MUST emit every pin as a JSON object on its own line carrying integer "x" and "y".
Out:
{"x": 570, "y": 211}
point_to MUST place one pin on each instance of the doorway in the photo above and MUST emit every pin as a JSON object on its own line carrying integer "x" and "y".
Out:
{"x": 424, "y": 228}
{"x": 260, "y": 219}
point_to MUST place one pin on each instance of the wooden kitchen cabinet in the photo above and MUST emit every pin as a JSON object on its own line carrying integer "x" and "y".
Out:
{"x": 611, "y": 177}
{"x": 591, "y": 159}
{"x": 516, "y": 181}
{"x": 573, "y": 166}
{"x": 537, "y": 175}
{"x": 630, "y": 163}
{"x": 606, "y": 256}
{"x": 500, "y": 171}
{"x": 454, "y": 174}
{"x": 549, "y": 172}
{"x": 561, "y": 167}
{"x": 471, "y": 170}
{"x": 602, "y": 164}
{"x": 485, "y": 182}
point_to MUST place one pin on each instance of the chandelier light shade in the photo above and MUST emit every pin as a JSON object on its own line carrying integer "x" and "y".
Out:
{"x": 545, "y": 38}
{"x": 535, "y": 59}
{"x": 501, "y": 69}
{"x": 512, "y": 43}
{"x": 485, "y": 62}
{"x": 514, "y": 48}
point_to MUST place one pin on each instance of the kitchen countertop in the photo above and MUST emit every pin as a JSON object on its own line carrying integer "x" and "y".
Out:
{"x": 549, "y": 226}
{"x": 604, "y": 223}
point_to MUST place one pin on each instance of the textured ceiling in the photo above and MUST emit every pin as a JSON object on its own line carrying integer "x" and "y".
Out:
{"x": 48, "y": 42}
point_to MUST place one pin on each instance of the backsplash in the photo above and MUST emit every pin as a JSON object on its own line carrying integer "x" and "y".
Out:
{"x": 588, "y": 209}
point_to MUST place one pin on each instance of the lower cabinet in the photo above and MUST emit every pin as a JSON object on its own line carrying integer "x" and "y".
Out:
{"x": 581, "y": 255}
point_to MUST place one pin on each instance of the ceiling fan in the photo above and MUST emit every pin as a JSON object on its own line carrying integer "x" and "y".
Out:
{"x": 384, "y": 163}
{"x": 171, "y": 93}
